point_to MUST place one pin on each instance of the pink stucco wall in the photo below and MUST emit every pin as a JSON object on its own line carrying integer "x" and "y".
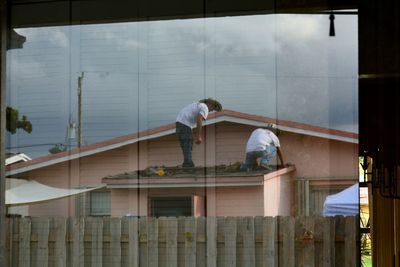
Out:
{"x": 129, "y": 202}
{"x": 273, "y": 198}
{"x": 240, "y": 201}
{"x": 135, "y": 201}
{"x": 319, "y": 157}
{"x": 224, "y": 144}
{"x": 279, "y": 193}
{"x": 229, "y": 201}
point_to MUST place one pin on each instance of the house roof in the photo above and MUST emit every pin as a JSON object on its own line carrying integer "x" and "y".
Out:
{"x": 213, "y": 118}
{"x": 201, "y": 177}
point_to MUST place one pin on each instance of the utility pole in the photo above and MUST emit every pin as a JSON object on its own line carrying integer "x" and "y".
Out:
{"x": 80, "y": 122}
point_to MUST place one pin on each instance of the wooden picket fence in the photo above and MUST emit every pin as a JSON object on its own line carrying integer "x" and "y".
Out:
{"x": 186, "y": 241}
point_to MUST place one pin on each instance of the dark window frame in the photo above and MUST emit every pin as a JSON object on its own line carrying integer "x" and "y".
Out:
{"x": 165, "y": 197}
{"x": 90, "y": 212}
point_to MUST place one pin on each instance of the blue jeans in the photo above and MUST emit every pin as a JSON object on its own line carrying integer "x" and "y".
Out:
{"x": 185, "y": 137}
{"x": 251, "y": 158}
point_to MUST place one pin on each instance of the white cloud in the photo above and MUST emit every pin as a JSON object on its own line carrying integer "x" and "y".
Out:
{"x": 27, "y": 69}
{"x": 246, "y": 35}
{"x": 56, "y": 36}
{"x": 304, "y": 27}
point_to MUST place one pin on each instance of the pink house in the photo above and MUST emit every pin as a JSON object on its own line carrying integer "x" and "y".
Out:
{"x": 323, "y": 159}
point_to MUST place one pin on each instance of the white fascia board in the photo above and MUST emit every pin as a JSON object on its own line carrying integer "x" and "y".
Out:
{"x": 130, "y": 186}
{"x": 290, "y": 129}
{"x": 317, "y": 134}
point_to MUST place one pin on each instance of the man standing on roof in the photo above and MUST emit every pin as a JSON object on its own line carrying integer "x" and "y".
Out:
{"x": 190, "y": 116}
{"x": 263, "y": 144}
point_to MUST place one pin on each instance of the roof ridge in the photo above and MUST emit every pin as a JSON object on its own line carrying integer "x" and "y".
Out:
{"x": 165, "y": 129}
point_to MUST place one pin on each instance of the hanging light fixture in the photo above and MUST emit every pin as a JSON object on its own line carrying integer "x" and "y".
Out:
{"x": 332, "y": 24}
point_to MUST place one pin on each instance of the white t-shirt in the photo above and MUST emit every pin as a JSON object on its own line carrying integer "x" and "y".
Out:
{"x": 260, "y": 139}
{"x": 188, "y": 115}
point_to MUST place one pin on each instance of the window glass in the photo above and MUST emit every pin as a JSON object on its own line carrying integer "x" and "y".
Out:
{"x": 243, "y": 117}
{"x": 100, "y": 203}
{"x": 171, "y": 206}
{"x": 115, "y": 91}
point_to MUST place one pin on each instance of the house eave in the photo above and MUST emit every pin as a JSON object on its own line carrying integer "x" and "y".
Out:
{"x": 279, "y": 172}
{"x": 256, "y": 179}
{"x": 182, "y": 185}
{"x": 232, "y": 180}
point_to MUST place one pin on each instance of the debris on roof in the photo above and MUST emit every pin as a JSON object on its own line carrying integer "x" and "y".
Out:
{"x": 232, "y": 169}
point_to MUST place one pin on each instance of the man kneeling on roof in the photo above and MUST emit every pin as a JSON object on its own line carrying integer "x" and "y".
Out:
{"x": 263, "y": 145}
{"x": 190, "y": 116}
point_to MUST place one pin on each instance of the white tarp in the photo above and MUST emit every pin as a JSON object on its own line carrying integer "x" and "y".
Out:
{"x": 345, "y": 202}
{"x": 17, "y": 158}
{"x": 24, "y": 192}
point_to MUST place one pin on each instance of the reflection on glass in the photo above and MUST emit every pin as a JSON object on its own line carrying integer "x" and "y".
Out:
{"x": 103, "y": 101}
{"x": 137, "y": 76}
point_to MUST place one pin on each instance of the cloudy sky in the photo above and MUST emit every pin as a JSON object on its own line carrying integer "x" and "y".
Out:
{"x": 139, "y": 75}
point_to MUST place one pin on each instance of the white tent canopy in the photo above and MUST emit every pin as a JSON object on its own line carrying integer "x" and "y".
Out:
{"x": 24, "y": 192}
{"x": 345, "y": 202}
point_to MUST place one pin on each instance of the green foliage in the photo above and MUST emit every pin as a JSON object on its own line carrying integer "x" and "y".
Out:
{"x": 365, "y": 239}
{"x": 13, "y": 122}
{"x": 57, "y": 149}
{"x": 366, "y": 260}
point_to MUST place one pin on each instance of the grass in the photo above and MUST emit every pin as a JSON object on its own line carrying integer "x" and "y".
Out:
{"x": 366, "y": 261}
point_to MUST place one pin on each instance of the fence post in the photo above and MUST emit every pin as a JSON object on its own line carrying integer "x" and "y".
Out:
{"x": 59, "y": 226}
{"x": 24, "y": 242}
{"x": 270, "y": 232}
{"x": 211, "y": 237}
{"x": 190, "y": 241}
{"x": 328, "y": 241}
{"x": 143, "y": 249}
{"x": 133, "y": 232}
{"x": 152, "y": 242}
{"x": 350, "y": 241}
{"x": 201, "y": 241}
{"x": 287, "y": 250}
{"x": 95, "y": 226}
{"x": 246, "y": 230}
{"x": 78, "y": 231}
{"x": 172, "y": 242}
{"x": 304, "y": 241}
{"x": 340, "y": 234}
{"x": 8, "y": 242}
{"x": 115, "y": 241}
{"x": 230, "y": 232}
{"x": 40, "y": 229}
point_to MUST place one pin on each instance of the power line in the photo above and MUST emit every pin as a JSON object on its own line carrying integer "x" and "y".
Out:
{"x": 35, "y": 145}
